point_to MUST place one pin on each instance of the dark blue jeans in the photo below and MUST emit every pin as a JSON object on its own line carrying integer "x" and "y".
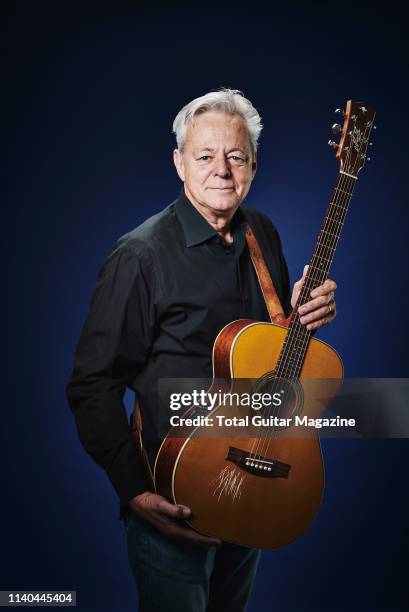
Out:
{"x": 174, "y": 577}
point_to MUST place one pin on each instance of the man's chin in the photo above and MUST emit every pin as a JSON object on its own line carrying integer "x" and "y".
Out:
{"x": 224, "y": 200}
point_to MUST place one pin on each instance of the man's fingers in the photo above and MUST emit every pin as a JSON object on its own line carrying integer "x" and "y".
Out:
{"x": 172, "y": 510}
{"x": 324, "y": 289}
{"x": 148, "y": 503}
{"x": 302, "y": 279}
{"x": 166, "y": 516}
{"x": 297, "y": 286}
{"x": 178, "y": 532}
{"x": 315, "y": 304}
{"x": 322, "y": 296}
{"x": 316, "y": 315}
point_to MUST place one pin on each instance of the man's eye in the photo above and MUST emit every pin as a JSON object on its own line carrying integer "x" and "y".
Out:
{"x": 205, "y": 157}
{"x": 236, "y": 158}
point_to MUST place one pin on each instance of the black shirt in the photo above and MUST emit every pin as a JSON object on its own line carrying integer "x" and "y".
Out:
{"x": 163, "y": 294}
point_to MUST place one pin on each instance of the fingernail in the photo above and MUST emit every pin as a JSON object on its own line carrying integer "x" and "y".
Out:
{"x": 301, "y": 310}
{"x": 314, "y": 294}
{"x": 185, "y": 511}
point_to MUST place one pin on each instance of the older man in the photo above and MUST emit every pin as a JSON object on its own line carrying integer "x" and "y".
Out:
{"x": 162, "y": 296}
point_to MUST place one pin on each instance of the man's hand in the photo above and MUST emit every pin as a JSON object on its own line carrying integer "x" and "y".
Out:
{"x": 321, "y": 309}
{"x": 166, "y": 517}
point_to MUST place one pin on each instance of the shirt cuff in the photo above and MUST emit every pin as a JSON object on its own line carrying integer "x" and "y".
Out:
{"x": 129, "y": 479}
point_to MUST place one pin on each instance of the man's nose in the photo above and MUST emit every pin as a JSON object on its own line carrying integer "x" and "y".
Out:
{"x": 222, "y": 167}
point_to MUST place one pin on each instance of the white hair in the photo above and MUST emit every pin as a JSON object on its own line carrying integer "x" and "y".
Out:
{"x": 231, "y": 101}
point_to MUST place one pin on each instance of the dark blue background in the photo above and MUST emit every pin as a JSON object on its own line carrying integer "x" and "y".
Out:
{"x": 91, "y": 96}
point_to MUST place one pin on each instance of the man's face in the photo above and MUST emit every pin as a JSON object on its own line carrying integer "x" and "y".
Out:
{"x": 217, "y": 164}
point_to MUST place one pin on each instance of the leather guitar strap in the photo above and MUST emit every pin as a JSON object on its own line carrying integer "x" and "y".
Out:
{"x": 275, "y": 310}
{"x": 137, "y": 436}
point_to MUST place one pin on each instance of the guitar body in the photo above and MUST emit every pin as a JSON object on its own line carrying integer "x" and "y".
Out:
{"x": 230, "y": 500}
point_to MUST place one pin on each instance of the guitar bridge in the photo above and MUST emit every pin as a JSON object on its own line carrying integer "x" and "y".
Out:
{"x": 257, "y": 464}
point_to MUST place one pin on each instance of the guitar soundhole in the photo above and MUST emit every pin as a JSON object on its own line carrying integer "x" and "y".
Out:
{"x": 286, "y": 398}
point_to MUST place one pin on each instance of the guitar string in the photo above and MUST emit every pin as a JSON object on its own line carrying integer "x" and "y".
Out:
{"x": 333, "y": 243}
{"x": 342, "y": 201}
{"x": 319, "y": 275}
{"x": 299, "y": 330}
{"x": 300, "y": 335}
{"x": 332, "y": 219}
{"x": 265, "y": 439}
{"x": 328, "y": 224}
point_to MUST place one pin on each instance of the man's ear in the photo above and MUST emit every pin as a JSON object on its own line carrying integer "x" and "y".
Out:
{"x": 178, "y": 161}
{"x": 254, "y": 164}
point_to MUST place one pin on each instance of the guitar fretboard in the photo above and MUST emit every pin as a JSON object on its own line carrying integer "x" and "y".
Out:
{"x": 295, "y": 345}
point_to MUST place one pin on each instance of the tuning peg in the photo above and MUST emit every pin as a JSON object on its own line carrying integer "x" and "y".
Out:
{"x": 371, "y": 144}
{"x": 339, "y": 111}
{"x": 374, "y": 127}
{"x": 368, "y": 159}
{"x": 336, "y": 128}
{"x": 332, "y": 143}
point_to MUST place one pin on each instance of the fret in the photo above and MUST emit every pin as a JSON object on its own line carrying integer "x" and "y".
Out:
{"x": 319, "y": 257}
{"x": 317, "y": 281}
{"x": 292, "y": 354}
{"x": 325, "y": 246}
{"x": 292, "y": 360}
{"x": 314, "y": 274}
{"x": 344, "y": 208}
{"x": 284, "y": 373}
{"x": 297, "y": 357}
{"x": 343, "y": 191}
{"x": 332, "y": 220}
{"x": 320, "y": 268}
{"x": 315, "y": 278}
{"x": 296, "y": 322}
{"x": 295, "y": 345}
{"x": 329, "y": 233}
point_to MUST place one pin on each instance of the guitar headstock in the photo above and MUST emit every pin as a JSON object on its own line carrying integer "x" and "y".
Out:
{"x": 352, "y": 148}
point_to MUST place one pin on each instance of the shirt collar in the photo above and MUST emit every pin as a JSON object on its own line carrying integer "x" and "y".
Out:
{"x": 195, "y": 226}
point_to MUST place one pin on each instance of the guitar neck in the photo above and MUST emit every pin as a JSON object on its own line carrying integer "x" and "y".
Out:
{"x": 327, "y": 242}
{"x": 295, "y": 346}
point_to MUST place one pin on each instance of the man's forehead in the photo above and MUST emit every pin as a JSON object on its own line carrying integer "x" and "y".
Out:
{"x": 206, "y": 130}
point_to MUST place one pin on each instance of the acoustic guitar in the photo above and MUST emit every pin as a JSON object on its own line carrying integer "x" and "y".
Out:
{"x": 262, "y": 486}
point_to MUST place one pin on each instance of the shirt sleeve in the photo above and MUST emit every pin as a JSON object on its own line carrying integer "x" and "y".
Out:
{"x": 114, "y": 345}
